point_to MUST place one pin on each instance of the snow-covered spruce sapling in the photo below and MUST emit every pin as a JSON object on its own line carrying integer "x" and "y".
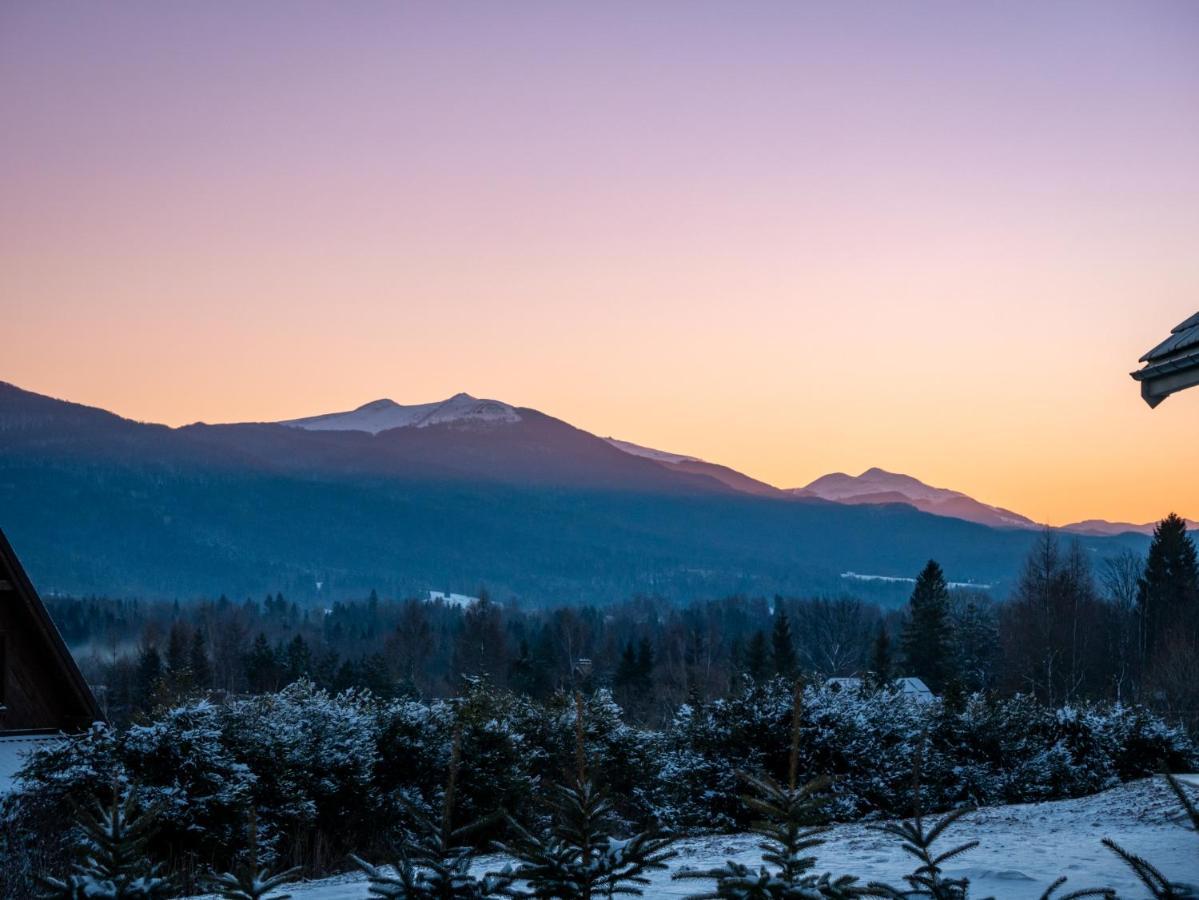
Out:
{"x": 112, "y": 863}
{"x": 1160, "y": 887}
{"x": 578, "y": 857}
{"x": 435, "y": 857}
{"x": 788, "y": 825}
{"x": 250, "y": 881}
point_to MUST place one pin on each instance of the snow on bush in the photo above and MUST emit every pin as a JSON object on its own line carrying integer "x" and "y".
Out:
{"x": 330, "y": 774}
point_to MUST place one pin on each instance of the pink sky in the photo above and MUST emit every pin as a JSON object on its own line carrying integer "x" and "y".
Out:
{"x": 932, "y": 237}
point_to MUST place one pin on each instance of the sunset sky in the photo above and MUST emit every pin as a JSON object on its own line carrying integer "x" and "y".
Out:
{"x": 791, "y": 238}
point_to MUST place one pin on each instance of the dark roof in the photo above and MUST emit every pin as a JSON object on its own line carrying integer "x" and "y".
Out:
{"x": 1183, "y": 337}
{"x": 44, "y": 624}
{"x": 1172, "y": 365}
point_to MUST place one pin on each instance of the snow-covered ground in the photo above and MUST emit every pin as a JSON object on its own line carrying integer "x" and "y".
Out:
{"x": 462, "y": 600}
{"x": 1024, "y": 848}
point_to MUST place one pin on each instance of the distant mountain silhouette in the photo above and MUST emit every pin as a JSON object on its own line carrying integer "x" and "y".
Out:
{"x": 876, "y": 486}
{"x": 459, "y": 493}
{"x": 1101, "y": 527}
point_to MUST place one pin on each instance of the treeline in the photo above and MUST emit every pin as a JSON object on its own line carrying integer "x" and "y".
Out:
{"x": 1125, "y": 629}
{"x": 329, "y": 775}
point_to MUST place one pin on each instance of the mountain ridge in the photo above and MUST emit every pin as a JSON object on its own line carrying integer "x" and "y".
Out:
{"x": 537, "y": 509}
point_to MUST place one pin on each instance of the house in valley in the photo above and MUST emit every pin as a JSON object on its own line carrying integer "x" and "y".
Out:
{"x": 907, "y": 688}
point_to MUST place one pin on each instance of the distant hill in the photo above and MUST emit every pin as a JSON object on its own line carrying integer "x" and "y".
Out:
{"x": 878, "y": 486}
{"x": 1101, "y": 527}
{"x": 458, "y": 494}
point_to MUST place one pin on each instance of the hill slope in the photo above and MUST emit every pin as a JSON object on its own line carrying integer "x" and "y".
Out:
{"x": 533, "y": 508}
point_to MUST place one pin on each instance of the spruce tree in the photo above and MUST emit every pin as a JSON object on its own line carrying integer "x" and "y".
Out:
{"x": 791, "y": 825}
{"x": 297, "y": 659}
{"x": 919, "y": 840}
{"x": 626, "y": 669}
{"x": 435, "y": 857}
{"x": 645, "y": 665}
{"x": 927, "y": 637}
{"x": 1168, "y": 591}
{"x": 261, "y": 665}
{"x": 880, "y": 659}
{"x": 200, "y": 666}
{"x": 782, "y": 645}
{"x": 578, "y": 857}
{"x": 250, "y": 881}
{"x": 523, "y": 672}
{"x": 112, "y": 862}
{"x": 975, "y": 642}
{"x": 148, "y": 678}
{"x": 179, "y": 658}
{"x": 757, "y": 657}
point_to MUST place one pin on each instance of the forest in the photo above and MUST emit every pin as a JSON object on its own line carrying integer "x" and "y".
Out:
{"x": 1126, "y": 629}
{"x": 247, "y": 737}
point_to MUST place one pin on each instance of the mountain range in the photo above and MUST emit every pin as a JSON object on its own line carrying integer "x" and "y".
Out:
{"x": 874, "y": 487}
{"x": 451, "y": 495}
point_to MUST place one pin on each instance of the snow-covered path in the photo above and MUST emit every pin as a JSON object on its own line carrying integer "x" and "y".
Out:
{"x": 1024, "y": 848}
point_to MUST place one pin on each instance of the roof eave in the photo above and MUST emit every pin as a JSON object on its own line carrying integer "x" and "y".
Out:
{"x": 27, "y": 591}
{"x": 1157, "y": 385}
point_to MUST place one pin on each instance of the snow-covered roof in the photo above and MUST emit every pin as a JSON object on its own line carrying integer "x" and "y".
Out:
{"x": 1173, "y": 365}
{"x": 13, "y": 750}
{"x": 908, "y": 687}
{"x": 913, "y": 687}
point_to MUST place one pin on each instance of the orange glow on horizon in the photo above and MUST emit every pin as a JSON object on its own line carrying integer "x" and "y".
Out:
{"x": 792, "y": 243}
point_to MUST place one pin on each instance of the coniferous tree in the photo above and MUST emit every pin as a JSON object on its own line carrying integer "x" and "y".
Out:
{"x": 523, "y": 671}
{"x": 927, "y": 638}
{"x": 261, "y": 665}
{"x": 791, "y": 825}
{"x": 578, "y": 857}
{"x": 112, "y": 863}
{"x": 149, "y": 677}
{"x": 918, "y": 840}
{"x": 975, "y": 641}
{"x": 626, "y": 669}
{"x": 645, "y": 665}
{"x": 179, "y": 658}
{"x": 880, "y": 658}
{"x": 1168, "y": 590}
{"x": 630, "y": 687}
{"x": 435, "y": 857}
{"x": 201, "y": 668}
{"x": 757, "y": 657}
{"x": 297, "y": 659}
{"x": 782, "y": 644}
{"x": 250, "y": 881}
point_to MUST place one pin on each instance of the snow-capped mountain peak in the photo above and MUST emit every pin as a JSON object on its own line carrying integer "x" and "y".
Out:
{"x": 384, "y": 415}
{"x": 649, "y": 452}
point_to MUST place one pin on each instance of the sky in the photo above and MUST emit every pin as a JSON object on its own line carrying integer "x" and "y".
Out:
{"x": 791, "y": 238}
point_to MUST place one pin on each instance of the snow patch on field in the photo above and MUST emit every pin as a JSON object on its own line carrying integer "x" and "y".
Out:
{"x": 1024, "y": 848}
{"x": 463, "y": 600}
{"x": 899, "y": 579}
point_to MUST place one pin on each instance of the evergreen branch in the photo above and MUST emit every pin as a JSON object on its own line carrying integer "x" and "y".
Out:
{"x": 1187, "y": 804}
{"x": 1157, "y": 884}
